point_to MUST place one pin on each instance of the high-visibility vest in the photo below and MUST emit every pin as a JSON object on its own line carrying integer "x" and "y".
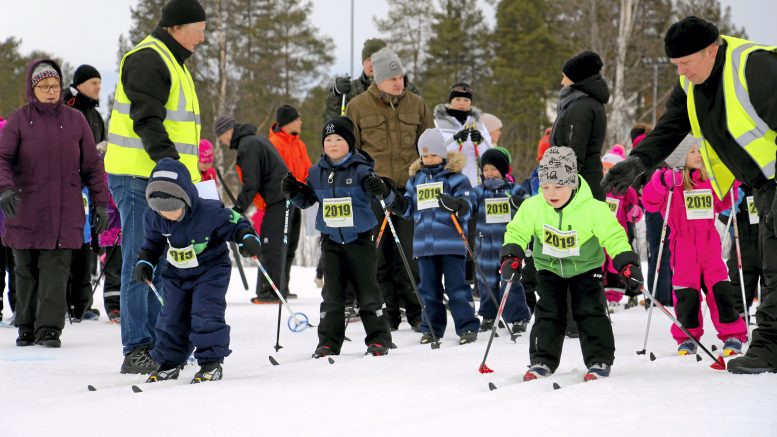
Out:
{"x": 125, "y": 154}
{"x": 743, "y": 123}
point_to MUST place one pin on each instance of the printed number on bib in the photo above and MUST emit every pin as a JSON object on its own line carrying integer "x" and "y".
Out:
{"x": 498, "y": 210}
{"x": 86, "y": 203}
{"x": 559, "y": 244}
{"x": 752, "y": 211}
{"x": 613, "y": 203}
{"x": 184, "y": 258}
{"x": 426, "y": 195}
{"x": 338, "y": 212}
{"x": 698, "y": 204}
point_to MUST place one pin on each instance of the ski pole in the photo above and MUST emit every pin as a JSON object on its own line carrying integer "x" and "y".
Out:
{"x": 232, "y": 245}
{"x": 477, "y": 156}
{"x": 342, "y": 106}
{"x": 284, "y": 279}
{"x": 380, "y": 234}
{"x": 107, "y": 260}
{"x": 483, "y": 367}
{"x": 739, "y": 265}
{"x": 658, "y": 266}
{"x": 299, "y": 320}
{"x": 491, "y": 293}
{"x": 158, "y": 296}
{"x": 435, "y": 341}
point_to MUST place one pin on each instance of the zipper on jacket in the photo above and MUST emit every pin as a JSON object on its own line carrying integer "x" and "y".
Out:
{"x": 331, "y": 180}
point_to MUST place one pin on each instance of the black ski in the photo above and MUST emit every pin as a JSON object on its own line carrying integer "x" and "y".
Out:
{"x": 273, "y": 361}
{"x": 136, "y": 389}
{"x": 91, "y": 388}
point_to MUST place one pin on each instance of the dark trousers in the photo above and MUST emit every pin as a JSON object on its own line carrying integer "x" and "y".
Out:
{"x": 460, "y": 302}
{"x": 79, "y": 287}
{"x": 7, "y": 265}
{"x": 394, "y": 283}
{"x": 529, "y": 281}
{"x": 112, "y": 274}
{"x": 271, "y": 235}
{"x": 588, "y": 310}
{"x": 764, "y": 343}
{"x": 663, "y": 292}
{"x": 353, "y": 263}
{"x": 41, "y": 277}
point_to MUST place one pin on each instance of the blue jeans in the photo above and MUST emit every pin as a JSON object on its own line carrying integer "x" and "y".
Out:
{"x": 139, "y": 306}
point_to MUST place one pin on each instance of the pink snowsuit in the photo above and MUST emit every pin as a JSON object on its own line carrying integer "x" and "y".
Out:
{"x": 629, "y": 211}
{"x": 696, "y": 254}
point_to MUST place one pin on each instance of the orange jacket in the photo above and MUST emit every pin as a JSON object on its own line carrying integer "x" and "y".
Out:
{"x": 292, "y": 150}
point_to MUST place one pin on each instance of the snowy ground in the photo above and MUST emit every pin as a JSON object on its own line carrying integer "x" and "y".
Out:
{"x": 414, "y": 391}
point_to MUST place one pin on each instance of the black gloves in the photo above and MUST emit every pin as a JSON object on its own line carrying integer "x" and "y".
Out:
{"x": 100, "y": 219}
{"x": 516, "y": 201}
{"x": 453, "y": 205}
{"x": 8, "y": 201}
{"x": 622, "y": 175}
{"x": 461, "y": 135}
{"x": 143, "y": 272}
{"x": 475, "y": 136}
{"x": 375, "y": 186}
{"x": 342, "y": 85}
{"x": 249, "y": 244}
{"x": 399, "y": 206}
{"x": 510, "y": 269}
{"x": 631, "y": 275}
{"x": 291, "y": 186}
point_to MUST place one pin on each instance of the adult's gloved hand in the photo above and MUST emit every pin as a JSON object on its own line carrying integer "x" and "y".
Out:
{"x": 475, "y": 136}
{"x": 250, "y": 245}
{"x": 100, "y": 219}
{"x": 453, "y": 205}
{"x": 510, "y": 269}
{"x": 8, "y": 201}
{"x": 290, "y": 186}
{"x": 631, "y": 275}
{"x": 143, "y": 272}
{"x": 516, "y": 200}
{"x": 622, "y": 175}
{"x": 342, "y": 85}
{"x": 374, "y": 185}
{"x": 461, "y": 136}
{"x": 399, "y": 206}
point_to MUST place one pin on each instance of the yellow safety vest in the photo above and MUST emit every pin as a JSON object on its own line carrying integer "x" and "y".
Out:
{"x": 126, "y": 154}
{"x": 743, "y": 123}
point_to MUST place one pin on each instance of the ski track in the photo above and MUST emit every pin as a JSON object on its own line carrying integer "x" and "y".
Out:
{"x": 413, "y": 391}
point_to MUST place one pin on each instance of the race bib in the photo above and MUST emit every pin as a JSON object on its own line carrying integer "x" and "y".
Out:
{"x": 426, "y": 195}
{"x": 752, "y": 211}
{"x": 184, "y": 258}
{"x": 613, "y": 203}
{"x": 559, "y": 244}
{"x": 338, "y": 212}
{"x": 698, "y": 204}
{"x": 86, "y": 203}
{"x": 498, "y": 210}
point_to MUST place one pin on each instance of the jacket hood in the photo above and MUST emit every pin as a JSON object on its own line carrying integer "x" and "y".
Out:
{"x": 357, "y": 157}
{"x": 30, "y": 67}
{"x": 169, "y": 171}
{"x": 439, "y": 112}
{"x": 241, "y": 130}
{"x": 456, "y": 161}
{"x": 595, "y": 86}
{"x": 78, "y": 100}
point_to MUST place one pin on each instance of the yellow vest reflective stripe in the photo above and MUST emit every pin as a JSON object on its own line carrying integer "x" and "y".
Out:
{"x": 126, "y": 154}
{"x": 743, "y": 123}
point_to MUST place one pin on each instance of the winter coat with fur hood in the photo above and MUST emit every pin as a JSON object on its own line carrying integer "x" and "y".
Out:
{"x": 448, "y": 125}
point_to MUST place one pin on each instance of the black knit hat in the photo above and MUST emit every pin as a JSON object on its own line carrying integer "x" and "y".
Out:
{"x": 178, "y": 12}
{"x": 371, "y": 46}
{"x": 342, "y": 126}
{"x": 498, "y": 158}
{"x": 688, "y": 36}
{"x": 84, "y": 73}
{"x": 285, "y": 115}
{"x": 582, "y": 66}
{"x": 460, "y": 89}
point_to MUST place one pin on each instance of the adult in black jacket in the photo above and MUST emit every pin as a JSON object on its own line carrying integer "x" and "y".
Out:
{"x": 261, "y": 169}
{"x": 581, "y": 122}
{"x": 86, "y": 83}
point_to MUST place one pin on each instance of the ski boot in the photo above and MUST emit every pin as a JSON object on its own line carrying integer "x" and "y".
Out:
{"x": 49, "y": 338}
{"x": 486, "y": 325}
{"x": 114, "y": 316}
{"x": 631, "y": 303}
{"x": 427, "y": 338}
{"x": 92, "y": 314}
{"x": 537, "y": 371}
{"x": 596, "y": 371}
{"x": 732, "y": 346}
{"x": 164, "y": 374}
{"x": 686, "y": 348}
{"x": 519, "y": 327}
{"x": 323, "y": 351}
{"x": 265, "y": 297}
{"x": 208, "y": 372}
{"x": 377, "y": 350}
{"x": 468, "y": 337}
{"x": 26, "y": 337}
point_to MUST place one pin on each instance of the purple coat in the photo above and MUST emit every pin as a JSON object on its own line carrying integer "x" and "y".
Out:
{"x": 48, "y": 154}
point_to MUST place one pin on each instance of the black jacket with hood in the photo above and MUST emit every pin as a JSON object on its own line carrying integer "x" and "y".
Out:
{"x": 261, "y": 167}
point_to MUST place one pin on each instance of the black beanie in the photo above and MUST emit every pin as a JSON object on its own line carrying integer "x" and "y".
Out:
{"x": 688, "y": 36}
{"x": 285, "y": 115}
{"x": 178, "y": 12}
{"x": 371, "y": 46}
{"x": 498, "y": 159}
{"x": 582, "y": 66}
{"x": 342, "y": 126}
{"x": 84, "y": 73}
{"x": 460, "y": 89}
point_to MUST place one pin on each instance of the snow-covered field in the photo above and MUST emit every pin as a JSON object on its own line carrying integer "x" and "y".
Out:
{"x": 414, "y": 391}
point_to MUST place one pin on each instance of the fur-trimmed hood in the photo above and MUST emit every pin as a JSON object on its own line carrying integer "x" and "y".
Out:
{"x": 439, "y": 112}
{"x": 455, "y": 163}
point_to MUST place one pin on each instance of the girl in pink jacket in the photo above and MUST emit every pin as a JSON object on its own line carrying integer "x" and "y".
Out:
{"x": 696, "y": 249}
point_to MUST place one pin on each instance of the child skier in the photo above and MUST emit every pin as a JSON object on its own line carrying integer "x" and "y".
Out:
{"x": 568, "y": 228}
{"x": 342, "y": 183}
{"x": 497, "y": 200}
{"x": 627, "y": 210}
{"x": 436, "y": 190}
{"x": 696, "y": 249}
{"x": 197, "y": 273}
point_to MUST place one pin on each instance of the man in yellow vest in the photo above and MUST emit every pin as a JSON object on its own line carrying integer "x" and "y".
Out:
{"x": 155, "y": 115}
{"x": 727, "y": 98}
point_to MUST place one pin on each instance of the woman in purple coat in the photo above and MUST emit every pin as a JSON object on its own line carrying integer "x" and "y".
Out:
{"x": 47, "y": 154}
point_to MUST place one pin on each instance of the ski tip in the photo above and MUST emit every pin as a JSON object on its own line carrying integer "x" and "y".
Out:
{"x": 642, "y": 352}
{"x": 136, "y": 389}
{"x": 331, "y": 361}
{"x": 435, "y": 344}
{"x": 698, "y": 358}
{"x": 556, "y": 386}
{"x": 491, "y": 386}
{"x": 91, "y": 388}
{"x": 514, "y": 337}
{"x": 714, "y": 348}
{"x": 346, "y": 339}
{"x": 652, "y": 356}
{"x": 273, "y": 361}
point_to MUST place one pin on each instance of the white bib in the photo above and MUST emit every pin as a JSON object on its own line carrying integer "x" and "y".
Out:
{"x": 184, "y": 258}
{"x": 613, "y": 203}
{"x": 338, "y": 212}
{"x": 559, "y": 244}
{"x": 426, "y": 195}
{"x": 752, "y": 211}
{"x": 498, "y": 210}
{"x": 698, "y": 204}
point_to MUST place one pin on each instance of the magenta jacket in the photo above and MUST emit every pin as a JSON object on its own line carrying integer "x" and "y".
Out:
{"x": 47, "y": 153}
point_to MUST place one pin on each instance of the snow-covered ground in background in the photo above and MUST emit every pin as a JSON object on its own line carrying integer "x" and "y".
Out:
{"x": 414, "y": 391}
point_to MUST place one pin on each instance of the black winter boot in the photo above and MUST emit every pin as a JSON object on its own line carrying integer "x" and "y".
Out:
{"x": 26, "y": 337}
{"x": 49, "y": 337}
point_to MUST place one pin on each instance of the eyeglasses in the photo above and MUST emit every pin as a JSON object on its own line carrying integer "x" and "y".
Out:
{"x": 48, "y": 88}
